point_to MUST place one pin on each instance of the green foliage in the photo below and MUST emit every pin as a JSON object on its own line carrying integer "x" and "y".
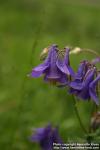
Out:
{"x": 26, "y": 27}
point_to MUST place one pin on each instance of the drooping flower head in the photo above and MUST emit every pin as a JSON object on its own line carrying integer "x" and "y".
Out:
{"x": 76, "y": 83}
{"x": 55, "y": 68}
{"x": 84, "y": 85}
{"x": 46, "y": 136}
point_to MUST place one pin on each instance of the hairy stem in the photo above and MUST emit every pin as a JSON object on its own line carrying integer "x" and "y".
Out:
{"x": 91, "y": 51}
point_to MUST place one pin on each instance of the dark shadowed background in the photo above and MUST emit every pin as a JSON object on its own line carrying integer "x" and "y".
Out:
{"x": 26, "y": 27}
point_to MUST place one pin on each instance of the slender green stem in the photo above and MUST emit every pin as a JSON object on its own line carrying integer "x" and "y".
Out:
{"x": 24, "y": 85}
{"x": 78, "y": 116}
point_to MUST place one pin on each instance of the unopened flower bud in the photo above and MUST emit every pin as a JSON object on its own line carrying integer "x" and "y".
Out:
{"x": 44, "y": 53}
{"x": 76, "y": 50}
{"x": 95, "y": 120}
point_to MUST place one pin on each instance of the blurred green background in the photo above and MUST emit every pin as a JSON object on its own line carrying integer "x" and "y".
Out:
{"x": 26, "y": 27}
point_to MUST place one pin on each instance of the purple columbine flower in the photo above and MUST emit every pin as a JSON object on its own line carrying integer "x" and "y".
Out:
{"x": 76, "y": 84}
{"x": 93, "y": 90}
{"x": 46, "y": 137}
{"x": 83, "y": 85}
{"x": 54, "y": 68}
